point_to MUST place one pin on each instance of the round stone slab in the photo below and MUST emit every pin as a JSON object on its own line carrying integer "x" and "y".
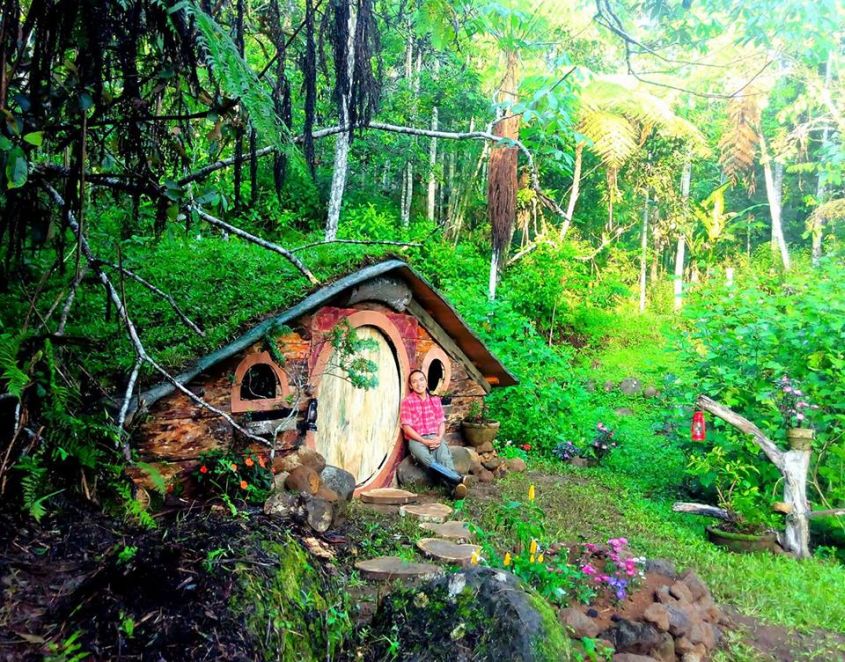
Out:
{"x": 388, "y": 496}
{"x": 385, "y": 568}
{"x": 427, "y": 512}
{"x": 447, "y": 550}
{"x": 457, "y": 531}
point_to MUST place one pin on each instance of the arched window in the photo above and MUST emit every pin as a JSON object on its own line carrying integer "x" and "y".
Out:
{"x": 437, "y": 367}
{"x": 260, "y": 385}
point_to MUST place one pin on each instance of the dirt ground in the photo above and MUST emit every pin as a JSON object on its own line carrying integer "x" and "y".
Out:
{"x": 88, "y": 573}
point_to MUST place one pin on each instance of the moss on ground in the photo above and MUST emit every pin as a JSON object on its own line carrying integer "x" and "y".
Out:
{"x": 290, "y": 609}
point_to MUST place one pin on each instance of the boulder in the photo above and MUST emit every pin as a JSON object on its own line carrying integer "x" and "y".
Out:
{"x": 657, "y": 615}
{"x": 680, "y": 591}
{"x": 662, "y": 595}
{"x": 661, "y": 566}
{"x": 623, "y": 411}
{"x": 493, "y": 463}
{"x": 631, "y": 637}
{"x": 319, "y": 513}
{"x": 328, "y": 494}
{"x": 515, "y": 464}
{"x": 487, "y": 607}
{"x": 631, "y": 657}
{"x": 608, "y": 386}
{"x": 462, "y": 459}
{"x": 485, "y": 476}
{"x": 311, "y": 458}
{"x": 476, "y": 468}
{"x": 679, "y": 623}
{"x": 650, "y": 392}
{"x": 279, "y": 481}
{"x": 281, "y": 504}
{"x": 698, "y": 589}
{"x": 665, "y": 651}
{"x": 411, "y": 474}
{"x": 303, "y": 479}
{"x": 486, "y": 447}
{"x": 338, "y": 480}
{"x": 630, "y": 386}
{"x": 579, "y": 623}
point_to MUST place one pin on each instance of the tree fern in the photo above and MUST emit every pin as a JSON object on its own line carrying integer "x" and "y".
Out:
{"x": 738, "y": 145}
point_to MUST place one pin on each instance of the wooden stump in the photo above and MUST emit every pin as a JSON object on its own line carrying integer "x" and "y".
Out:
{"x": 447, "y": 550}
{"x": 388, "y": 496}
{"x": 385, "y": 568}
{"x": 456, "y": 531}
{"x": 427, "y": 512}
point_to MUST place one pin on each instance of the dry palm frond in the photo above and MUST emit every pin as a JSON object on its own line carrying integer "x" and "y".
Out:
{"x": 829, "y": 211}
{"x": 738, "y": 145}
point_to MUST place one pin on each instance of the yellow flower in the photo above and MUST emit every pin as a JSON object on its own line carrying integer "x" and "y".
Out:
{"x": 533, "y": 547}
{"x": 473, "y": 560}
{"x": 507, "y": 560}
{"x": 531, "y": 559}
{"x": 540, "y": 558}
{"x": 531, "y": 493}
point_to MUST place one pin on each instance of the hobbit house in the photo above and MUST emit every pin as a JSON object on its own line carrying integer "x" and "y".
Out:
{"x": 284, "y": 380}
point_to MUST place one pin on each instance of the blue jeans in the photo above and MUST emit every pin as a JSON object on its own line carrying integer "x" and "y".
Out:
{"x": 438, "y": 460}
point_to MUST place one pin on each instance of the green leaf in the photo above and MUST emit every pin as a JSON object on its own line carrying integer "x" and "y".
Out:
{"x": 17, "y": 168}
{"x": 34, "y": 138}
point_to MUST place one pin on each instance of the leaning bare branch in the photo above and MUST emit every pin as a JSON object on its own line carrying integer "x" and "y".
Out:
{"x": 362, "y": 242}
{"x": 131, "y": 330}
{"x": 744, "y": 425}
{"x": 127, "y": 398}
{"x": 606, "y": 241}
{"x": 80, "y": 274}
{"x": 164, "y": 295}
{"x": 834, "y": 512}
{"x": 269, "y": 245}
{"x": 701, "y": 509}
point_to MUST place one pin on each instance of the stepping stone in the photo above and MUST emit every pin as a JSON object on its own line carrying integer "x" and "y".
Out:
{"x": 446, "y": 550}
{"x": 385, "y": 568}
{"x": 457, "y": 531}
{"x": 427, "y": 512}
{"x": 388, "y": 496}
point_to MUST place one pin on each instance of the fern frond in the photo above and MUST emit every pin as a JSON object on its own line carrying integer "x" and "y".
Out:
{"x": 738, "y": 146}
{"x": 613, "y": 138}
{"x": 16, "y": 380}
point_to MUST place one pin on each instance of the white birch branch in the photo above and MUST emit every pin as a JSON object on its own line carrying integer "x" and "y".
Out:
{"x": 742, "y": 424}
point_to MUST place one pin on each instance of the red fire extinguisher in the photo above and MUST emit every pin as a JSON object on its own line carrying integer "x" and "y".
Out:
{"x": 698, "y": 430}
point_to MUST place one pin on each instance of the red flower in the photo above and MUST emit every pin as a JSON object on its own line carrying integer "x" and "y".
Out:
{"x": 244, "y": 485}
{"x": 261, "y": 461}
{"x": 203, "y": 469}
{"x": 526, "y": 447}
{"x": 249, "y": 462}
{"x": 233, "y": 466}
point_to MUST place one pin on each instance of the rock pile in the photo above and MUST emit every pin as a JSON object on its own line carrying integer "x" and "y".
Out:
{"x": 308, "y": 491}
{"x": 482, "y": 463}
{"x": 679, "y": 621}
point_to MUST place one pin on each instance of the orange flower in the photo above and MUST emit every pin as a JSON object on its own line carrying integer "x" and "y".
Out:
{"x": 244, "y": 485}
{"x": 233, "y": 466}
{"x": 261, "y": 461}
{"x": 203, "y": 469}
{"x": 249, "y": 462}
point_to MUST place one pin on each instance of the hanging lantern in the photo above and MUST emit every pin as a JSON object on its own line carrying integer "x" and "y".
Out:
{"x": 698, "y": 430}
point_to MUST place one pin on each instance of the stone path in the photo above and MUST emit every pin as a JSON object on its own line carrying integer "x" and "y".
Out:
{"x": 450, "y": 546}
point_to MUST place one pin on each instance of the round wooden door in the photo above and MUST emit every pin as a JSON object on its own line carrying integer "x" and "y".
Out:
{"x": 357, "y": 429}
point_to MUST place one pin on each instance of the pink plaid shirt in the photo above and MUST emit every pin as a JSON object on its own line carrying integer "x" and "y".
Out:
{"x": 425, "y": 416}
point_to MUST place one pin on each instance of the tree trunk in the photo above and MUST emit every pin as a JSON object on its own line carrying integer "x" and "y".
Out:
{"x": 501, "y": 175}
{"x": 816, "y": 227}
{"x": 341, "y": 147}
{"x": 686, "y": 178}
{"x": 432, "y": 167}
{"x": 774, "y": 185}
{"x": 575, "y": 191}
{"x": 644, "y": 252}
{"x": 796, "y": 537}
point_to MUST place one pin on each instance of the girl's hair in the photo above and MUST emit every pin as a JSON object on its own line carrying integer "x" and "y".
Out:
{"x": 413, "y": 372}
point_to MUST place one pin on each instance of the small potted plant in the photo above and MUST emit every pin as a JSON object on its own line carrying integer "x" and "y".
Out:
{"x": 477, "y": 428}
{"x": 795, "y": 408}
